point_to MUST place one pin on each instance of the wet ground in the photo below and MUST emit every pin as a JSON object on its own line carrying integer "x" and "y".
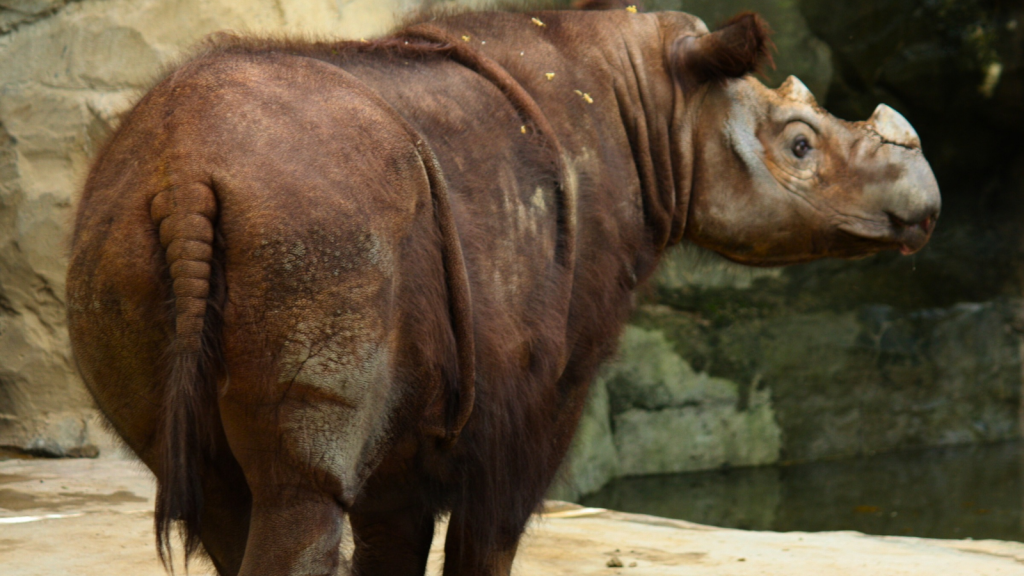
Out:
{"x": 94, "y": 517}
{"x": 958, "y": 492}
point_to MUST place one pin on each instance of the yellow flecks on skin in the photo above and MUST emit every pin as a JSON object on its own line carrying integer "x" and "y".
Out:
{"x": 549, "y": 75}
{"x": 364, "y": 40}
{"x": 522, "y": 129}
{"x": 587, "y": 98}
{"x": 465, "y": 38}
{"x": 631, "y": 9}
{"x": 537, "y": 21}
{"x": 538, "y": 199}
{"x": 578, "y": 92}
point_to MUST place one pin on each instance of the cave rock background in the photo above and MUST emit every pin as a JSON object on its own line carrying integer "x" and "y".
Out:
{"x": 721, "y": 365}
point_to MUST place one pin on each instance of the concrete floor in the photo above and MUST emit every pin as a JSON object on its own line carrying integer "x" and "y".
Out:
{"x": 94, "y": 517}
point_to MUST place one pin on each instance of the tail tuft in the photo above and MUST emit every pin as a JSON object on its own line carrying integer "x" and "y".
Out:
{"x": 185, "y": 217}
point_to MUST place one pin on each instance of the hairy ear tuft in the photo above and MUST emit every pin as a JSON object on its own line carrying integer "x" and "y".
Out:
{"x": 739, "y": 47}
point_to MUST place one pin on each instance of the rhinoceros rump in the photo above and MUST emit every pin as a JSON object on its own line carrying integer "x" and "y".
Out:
{"x": 376, "y": 278}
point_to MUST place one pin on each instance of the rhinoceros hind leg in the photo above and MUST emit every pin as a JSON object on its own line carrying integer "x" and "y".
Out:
{"x": 226, "y": 510}
{"x": 293, "y": 530}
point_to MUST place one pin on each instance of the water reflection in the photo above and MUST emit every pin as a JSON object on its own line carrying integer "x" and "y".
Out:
{"x": 961, "y": 492}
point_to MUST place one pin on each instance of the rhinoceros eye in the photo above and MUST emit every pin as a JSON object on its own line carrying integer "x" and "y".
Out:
{"x": 801, "y": 147}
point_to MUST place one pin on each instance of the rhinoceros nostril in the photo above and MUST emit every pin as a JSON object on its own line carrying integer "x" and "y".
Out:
{"x": 896, "y": 221}
{"x": 925, "y": 224}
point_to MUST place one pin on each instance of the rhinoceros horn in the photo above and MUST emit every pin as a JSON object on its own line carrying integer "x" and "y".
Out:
{"x": 893, "y": 127}
{"x": 794, "y": 89}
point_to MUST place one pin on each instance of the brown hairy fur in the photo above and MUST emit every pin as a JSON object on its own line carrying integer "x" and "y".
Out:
{"x": 507, "y": 430}
{"x": 741, "y": 46}
{"x": 394, "y": 268}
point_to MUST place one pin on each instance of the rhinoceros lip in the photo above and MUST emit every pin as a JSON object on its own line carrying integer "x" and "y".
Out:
{"x": 885, "y": 236}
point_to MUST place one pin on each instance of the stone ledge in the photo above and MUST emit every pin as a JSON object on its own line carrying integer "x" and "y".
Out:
{"x": 93, "y": 517}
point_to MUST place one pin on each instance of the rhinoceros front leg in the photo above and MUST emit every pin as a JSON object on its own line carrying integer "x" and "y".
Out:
{"x": 465, "y": 554}
{"x": 392, "y": 542}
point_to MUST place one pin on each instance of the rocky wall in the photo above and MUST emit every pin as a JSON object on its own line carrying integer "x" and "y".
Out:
{"x": 850, "y": 358}
{"x": 722, "y": 365}
{"x": 725, "y": 367}
{"x": 67, "y": 69}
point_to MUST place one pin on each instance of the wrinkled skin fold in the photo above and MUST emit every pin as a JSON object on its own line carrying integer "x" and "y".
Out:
{"x": 376, "y": 279}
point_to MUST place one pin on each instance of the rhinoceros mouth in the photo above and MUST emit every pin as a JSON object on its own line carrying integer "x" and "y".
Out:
{"x": 890, "y": 233}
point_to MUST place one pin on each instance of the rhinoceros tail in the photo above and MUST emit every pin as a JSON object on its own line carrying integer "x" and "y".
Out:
{"x": 185, "y": 216}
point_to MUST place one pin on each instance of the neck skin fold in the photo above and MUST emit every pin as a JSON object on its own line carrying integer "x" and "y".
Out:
{"x": 659, "y": 117}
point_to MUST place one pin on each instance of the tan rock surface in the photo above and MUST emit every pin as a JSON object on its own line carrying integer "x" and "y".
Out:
{"x": 101, "y": 524}
{"x": 66, "y": 71}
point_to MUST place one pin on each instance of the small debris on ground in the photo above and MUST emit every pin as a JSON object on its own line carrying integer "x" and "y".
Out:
{"x": 614, "y": 562}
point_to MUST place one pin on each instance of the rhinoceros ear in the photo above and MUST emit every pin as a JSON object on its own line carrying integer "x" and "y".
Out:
{"x": 739, "y": 47}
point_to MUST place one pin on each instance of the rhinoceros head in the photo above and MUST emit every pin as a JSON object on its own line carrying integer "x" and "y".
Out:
{"x": 778, "y": 180}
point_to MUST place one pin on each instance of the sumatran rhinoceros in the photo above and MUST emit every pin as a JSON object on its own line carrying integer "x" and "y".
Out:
{"x": 376, "y": 278}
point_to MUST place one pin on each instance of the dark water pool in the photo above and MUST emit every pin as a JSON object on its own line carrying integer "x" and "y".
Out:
{"x": 958, "y": 492}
